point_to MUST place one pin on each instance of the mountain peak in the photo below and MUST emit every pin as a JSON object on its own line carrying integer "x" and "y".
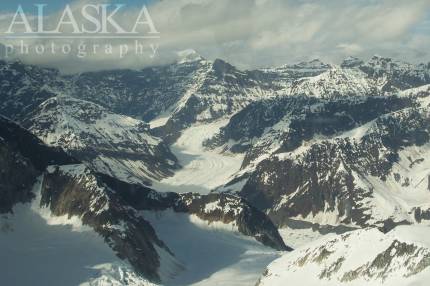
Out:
{"x": 315, "y": 64}
{"x": 312, "y": 64}
{"x": 351, "y": 62}
{"x": 379, "y": 63}
{"x": 378, "y": 58}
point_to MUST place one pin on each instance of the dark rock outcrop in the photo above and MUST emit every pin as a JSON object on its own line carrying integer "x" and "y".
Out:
{"x": 76, "y": 191}
{"x": 71, "y": 189}
{"x": 330, "y": 176}
{"x": 110, "y": 143}
{"x": 23, "y": 158}
{"x": 214, "y": 207}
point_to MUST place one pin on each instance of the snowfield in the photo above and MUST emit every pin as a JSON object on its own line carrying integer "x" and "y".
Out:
{"x": 298, "y": 237}
{"x": 212, "y": 254}
{"x": 361, "y": 257}
{"x": 63, "y": 251}
{"x": 112, "y": 144}
{"x": 203, "y": 170}
{"x": 294, "y": 160}
{"x": 55, "y": 251}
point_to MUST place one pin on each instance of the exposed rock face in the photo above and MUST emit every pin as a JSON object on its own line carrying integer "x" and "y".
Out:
{"x": 428, "y": 183}
{"x": 185, "y": 92}
{"x": 396, "y": 259}
{"x": 74, "y": 191}
{"x": 17, "y": 177}
{"x": 214, "y": 207}
{"x": 22, "y": 158}
{"x": 421, "y": 215}
{"x": 219, "y": 90}
{"x": 317, "y": 80}
{"x": 141, "y": 94}
{"x": 341, "y": 176}
{"x": 281, "y": 125}
{"x": 396, "y": 75}
{"x": 109, "y": 206}
{"x": 31, "y": 147}
{"x": 24, "y": 87}
{"x": 197, "y": 90}
{"x": 113, "y": 144}
{"x": 231, "y": 209}
{"x": 330, "y": 161}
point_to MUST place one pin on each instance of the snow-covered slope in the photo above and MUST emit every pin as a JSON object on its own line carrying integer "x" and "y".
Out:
{"x": 335, "y": 82}
{"x": 394, "y": 75}
{"x": 362, "y": 257}
{"x": 190, "y": 90}
{"x": 23, "y": 157}
{"x": 112, "y": 144}
{"x": 68, "y": 205}
{"x": 61, "y": 191}
{"x": 194, "y": 89}
{"x": 54, "y": 252}
{"x": 359, "y": 160}
{"x": 212, "y": 253}
{"x": 218, "y": 91}
{"x": 317, "y": 147}
{"x": 203, "y": 170}
{"x": 23, "y": 87}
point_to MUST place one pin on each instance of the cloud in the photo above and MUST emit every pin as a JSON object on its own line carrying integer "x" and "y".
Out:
{"x": 350, "y": 49}
{"x": 256, "y": 33}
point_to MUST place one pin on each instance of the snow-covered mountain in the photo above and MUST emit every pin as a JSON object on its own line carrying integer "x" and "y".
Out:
{"x": 194, "y": 89}
{"x": 360, "y": 161}
{"x": 24, "y": 87}
{"x": 55, "y": 187}
{"x": 361, "y": 257}
{"x": 272, "y": 115}
{"x": 110, "y": 143}
{"x": 310, "y": 148}
{"x": 353, "y": 77}
{"x": 190, "y": 90}
{"x": 394, "y": 75}
{"x": 346, "y": 146}
{"x": 23, "y": 158}
{"x": 62, "y": 196}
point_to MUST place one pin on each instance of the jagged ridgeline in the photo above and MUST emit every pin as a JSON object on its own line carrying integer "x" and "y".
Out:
{"x": 58, "y": 188}
{"x": 310, "y": 146}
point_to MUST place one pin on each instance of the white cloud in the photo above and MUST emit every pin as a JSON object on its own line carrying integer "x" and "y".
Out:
{"x": 350, "y": 49}
{"x": 253, "y": 33}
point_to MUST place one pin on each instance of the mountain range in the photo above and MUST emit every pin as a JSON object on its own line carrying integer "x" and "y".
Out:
{"x": 247, "y": 164}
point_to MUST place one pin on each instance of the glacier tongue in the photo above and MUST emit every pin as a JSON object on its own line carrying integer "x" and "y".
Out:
{"x": 195, "y": 98}
{"x": 203, "y": 170}
{"x": 212, "y": 253}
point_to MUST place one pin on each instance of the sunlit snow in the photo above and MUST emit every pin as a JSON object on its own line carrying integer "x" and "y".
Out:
{"x": 212, "y": 254}
{"x": 203, "y": 170}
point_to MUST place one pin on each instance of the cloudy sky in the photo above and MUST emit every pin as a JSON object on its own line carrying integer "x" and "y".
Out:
{"x": 250, "y": 33}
